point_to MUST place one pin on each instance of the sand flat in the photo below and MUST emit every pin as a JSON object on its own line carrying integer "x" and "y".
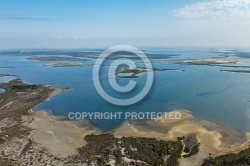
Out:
{"x": 61, "y": 138}
{"x": 210, "y": 141}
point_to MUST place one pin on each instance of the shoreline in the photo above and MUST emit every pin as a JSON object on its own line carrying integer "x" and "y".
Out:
{"x": 60, "y": 137}
{"x": 210, "y": 140}
{"x": 49, "y": 136}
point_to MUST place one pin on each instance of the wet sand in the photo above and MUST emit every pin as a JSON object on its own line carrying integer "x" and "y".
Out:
{"x": 210, "y": 140}
{"x": 61, "y": 138}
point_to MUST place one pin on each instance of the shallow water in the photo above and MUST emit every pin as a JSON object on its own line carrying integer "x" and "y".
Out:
{"x": 5, "y": 79}
{"x": 210, "y": 94}
{"x": 189, "y": 142}
{"x": 186, "y": 150}
{"x": 2, "y": 90}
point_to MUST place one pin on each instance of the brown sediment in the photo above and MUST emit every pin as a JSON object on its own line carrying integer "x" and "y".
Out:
{"x": 61, "y": 138}
{"x": 34, "y": 138}
{"x": 210, "y": 140}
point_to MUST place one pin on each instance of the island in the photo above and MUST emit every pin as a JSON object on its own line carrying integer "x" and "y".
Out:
{"x": 126, "y": 72}
{"x": 214, "y": 61}
{"x": 66, "y": 65}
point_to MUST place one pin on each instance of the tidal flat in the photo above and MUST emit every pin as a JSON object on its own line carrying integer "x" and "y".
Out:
{"x": 25, "y": 134}
{"x": 216, "y": 123}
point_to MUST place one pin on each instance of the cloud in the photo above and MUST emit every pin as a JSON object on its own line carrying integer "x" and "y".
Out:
{"x": 216, "y": 10}
{"x": 8, "y": 17}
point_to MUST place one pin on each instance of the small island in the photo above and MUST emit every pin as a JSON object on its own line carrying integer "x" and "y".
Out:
{"x": 66, "y": 65}
{"x": 126, "y": 72}
{"x": 216, "y": 61}
{"x": 54, "y": 58}
{"x": 237, "y": 71}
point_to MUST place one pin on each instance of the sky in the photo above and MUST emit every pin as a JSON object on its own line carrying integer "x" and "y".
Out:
{"x": 104, "y": 23}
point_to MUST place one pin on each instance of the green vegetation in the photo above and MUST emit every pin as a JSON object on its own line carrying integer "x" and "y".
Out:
{"x": 20, "y": 88}
{"x": 20, "y": 103}
{"x": 240, "y": 159}
{"x": 103, "y": 147}
{"x": 98, "y": 145}
{"x": 134, "y": 73}
{"x": 100, "y": 148}
{"x": 152, "y": 151}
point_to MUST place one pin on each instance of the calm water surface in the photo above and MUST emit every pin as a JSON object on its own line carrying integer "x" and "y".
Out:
{"x": 210, "y": 94}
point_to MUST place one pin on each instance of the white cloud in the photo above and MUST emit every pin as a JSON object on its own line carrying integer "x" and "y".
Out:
{"x": 216, "y": 10}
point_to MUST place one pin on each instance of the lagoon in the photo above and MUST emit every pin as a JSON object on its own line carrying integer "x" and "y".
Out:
{"x": 207, "y": 92}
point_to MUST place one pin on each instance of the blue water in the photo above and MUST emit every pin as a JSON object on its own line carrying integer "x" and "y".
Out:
{"x": 2, "y": 90}
{"x": 186, "y": 150}
{"x": 208, "y": 93}
{"x": 5, "y": 79}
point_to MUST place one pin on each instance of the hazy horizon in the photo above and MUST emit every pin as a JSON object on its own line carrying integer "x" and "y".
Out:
{"x": 81, "y": 24}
